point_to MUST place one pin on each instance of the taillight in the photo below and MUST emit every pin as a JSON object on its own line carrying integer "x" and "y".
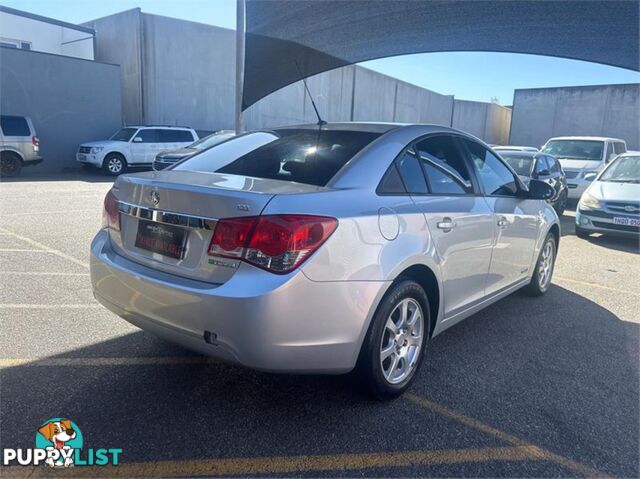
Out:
{"x": 277, "y": 243}
{"x": 35, "y": 142}
{"x": 111, "y": 212}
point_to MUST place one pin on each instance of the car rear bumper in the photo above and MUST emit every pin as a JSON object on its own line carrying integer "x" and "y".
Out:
{"x": 32, "y": 160}
{"x": 257, "y": 319}
{"x": 598, "y": 222}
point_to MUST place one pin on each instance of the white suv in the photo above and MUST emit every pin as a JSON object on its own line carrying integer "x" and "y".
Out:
{"x": 581, "y": 155}
{"x": 134, "y": 146}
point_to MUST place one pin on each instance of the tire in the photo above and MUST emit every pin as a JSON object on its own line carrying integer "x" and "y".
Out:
{"x": 581, "y": 233}
{"x": 10, "y": 164}
{"x": 114, "y": 164}
{"x": 561, "y": 204}
{"x": 381, "y": 378}
{"x": 541, "y": 279}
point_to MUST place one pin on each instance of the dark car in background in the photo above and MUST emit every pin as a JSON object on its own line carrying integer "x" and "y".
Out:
{"x": 532, "y": 165}
{"x": 168, "y": 158}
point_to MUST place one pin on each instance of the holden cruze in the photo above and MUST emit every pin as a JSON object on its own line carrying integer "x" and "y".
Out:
{"x": 323, "y": 249}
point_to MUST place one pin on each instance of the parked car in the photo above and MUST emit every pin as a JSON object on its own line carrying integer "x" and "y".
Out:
{"x": 500, "y": 149}
{"x": 582, "y": 155}
{"x": 530, "y": 165}
{"x": 168, "y": 158}
{"x": 19, "y": 144}
{"x": 323, "y": 249}
{"x": 134, "y": 146}
{"x": 611, "y": 203}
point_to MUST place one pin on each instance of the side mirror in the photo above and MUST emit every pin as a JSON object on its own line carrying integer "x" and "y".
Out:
{"x": 137, "y": 139}
{"x": 590, "y": 176}
{"x": 539, "y": 190}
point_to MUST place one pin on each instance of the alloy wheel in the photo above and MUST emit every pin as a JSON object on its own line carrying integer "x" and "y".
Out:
{"x": 401, "y": 341}
{"x": 545, "y": 267}
{"x": 114, "y": 165}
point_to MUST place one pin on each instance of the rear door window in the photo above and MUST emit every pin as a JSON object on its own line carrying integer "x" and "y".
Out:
{"x": 149, "y": 135}
{"x": 14, "y": 126}
{"x": 444, "y": 166}
{"x": 174, "y": 136}
{"x": 301, "y": 155}
{"x": 619, "y": 147}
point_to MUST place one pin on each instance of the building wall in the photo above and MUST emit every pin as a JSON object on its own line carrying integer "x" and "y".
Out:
{"x": 119, "y": 41}
{"x": 70, "y": 101}
{"x": 46, "y": 37}
{"x": 177, "y": 72}
{"x": 603, "y": 110}
{"x": 487, "y": 121}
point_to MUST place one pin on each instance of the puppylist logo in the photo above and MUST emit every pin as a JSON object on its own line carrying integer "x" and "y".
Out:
{"x": 59, "y": 443}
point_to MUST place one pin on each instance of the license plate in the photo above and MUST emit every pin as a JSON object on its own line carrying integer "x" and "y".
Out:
{"x": 621, "y": 220}
{"x": 82, "y": 157}
{"x": 161, "y": 238}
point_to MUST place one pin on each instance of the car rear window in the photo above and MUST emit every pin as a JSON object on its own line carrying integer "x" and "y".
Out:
{"x": 14, "y": 126}
{"x": 302, "y": 155}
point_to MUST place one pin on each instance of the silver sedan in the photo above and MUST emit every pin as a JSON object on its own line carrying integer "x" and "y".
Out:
{"x": 323, "y": 249}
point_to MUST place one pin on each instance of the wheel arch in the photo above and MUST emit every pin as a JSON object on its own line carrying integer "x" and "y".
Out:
{"x": 427, "y": 279}
{"x": 5, "y": 150}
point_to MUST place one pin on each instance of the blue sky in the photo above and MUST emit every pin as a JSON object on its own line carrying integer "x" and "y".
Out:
{"x": 468, "y": 76}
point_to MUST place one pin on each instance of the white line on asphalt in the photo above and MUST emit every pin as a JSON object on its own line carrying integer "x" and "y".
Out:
{"x": 58, "y": 212}
{"x": 106, "y": 361}
{"x": 48, "y": 306}
{"x": 17, "y": 250}
{"x": 45, "y": 247}
{"x": 42, "y": 273}
{"x": 596, "y": 285}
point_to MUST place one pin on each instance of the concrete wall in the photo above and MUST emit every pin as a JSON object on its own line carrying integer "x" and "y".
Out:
{"x": 603, "y": 110}
{"x": 177, "y": 72}
{"x": 188, "y": 73}
{"x": 119, "y": 41}
{"x": 487, "y": 121}
{"x": 69, "y": 101}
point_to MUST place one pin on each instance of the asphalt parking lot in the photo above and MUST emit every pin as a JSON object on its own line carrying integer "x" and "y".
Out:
{"x": 542, "y": 387}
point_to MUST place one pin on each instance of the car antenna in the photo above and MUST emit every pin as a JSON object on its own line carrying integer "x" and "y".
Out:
{"x": 313, "y": 103}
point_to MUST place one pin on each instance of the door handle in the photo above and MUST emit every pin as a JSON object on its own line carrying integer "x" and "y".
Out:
{"x": 446, "y": 224}
{"x": 502, "y": 222}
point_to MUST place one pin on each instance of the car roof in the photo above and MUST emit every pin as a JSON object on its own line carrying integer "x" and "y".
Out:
{"x": 592, "y": 138}
{"x": 363, "y": 126}
{"x": 159, "y": 126}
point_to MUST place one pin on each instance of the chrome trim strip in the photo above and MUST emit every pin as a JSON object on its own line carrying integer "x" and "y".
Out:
{"x": 167, "y": 217}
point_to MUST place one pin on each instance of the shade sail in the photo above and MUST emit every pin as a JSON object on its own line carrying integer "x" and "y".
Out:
{"x": 287, "y": 40}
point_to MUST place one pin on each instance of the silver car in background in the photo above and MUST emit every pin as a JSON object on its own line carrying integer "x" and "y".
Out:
{"x": 611, "y": 204}
{"x": 320, "y": 249}
{"x": 165, "y": 159}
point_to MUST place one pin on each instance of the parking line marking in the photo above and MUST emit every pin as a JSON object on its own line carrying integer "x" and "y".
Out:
{"x": 287, "y": 464}
{"x": 48, "y": 306}
{"x": 105, "y": 361}
{"x": 42, "y": 273}
{"x": 596, "y": 285}
{"x": 508, "y": 438}
{"x": 45, "y": 247}
{"x": 46, "y": 212}
{"x": 16, "y": 250}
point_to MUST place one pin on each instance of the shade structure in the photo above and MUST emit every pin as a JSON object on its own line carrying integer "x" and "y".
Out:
{"x": 287, "y": 40}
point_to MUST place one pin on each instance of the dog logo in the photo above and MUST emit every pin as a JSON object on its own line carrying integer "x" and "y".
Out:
{"x": 61, "y": 435}
{"x": 155, "y": 197}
